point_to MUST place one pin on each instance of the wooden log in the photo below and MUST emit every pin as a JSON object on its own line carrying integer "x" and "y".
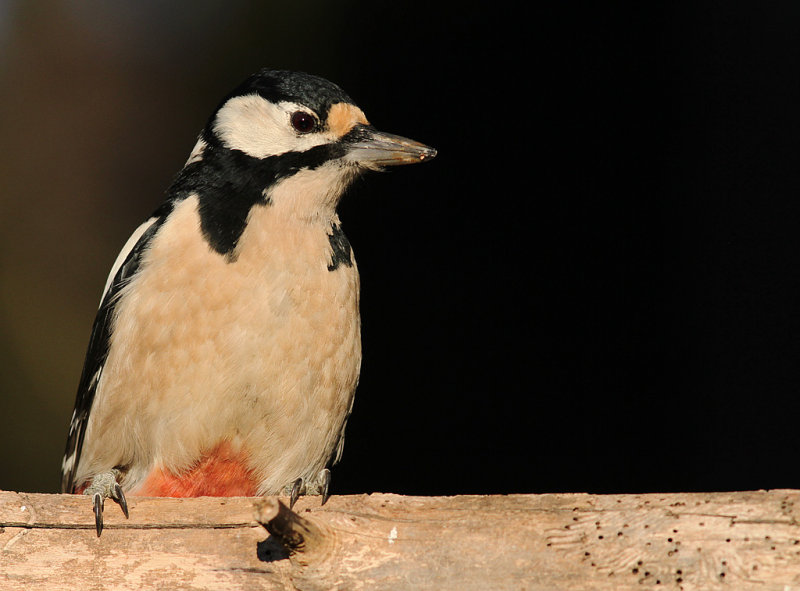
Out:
{"x": 738, "y": 541}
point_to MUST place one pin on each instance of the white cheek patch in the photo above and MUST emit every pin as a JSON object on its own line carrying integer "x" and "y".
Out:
{"x": 261, "y": 129}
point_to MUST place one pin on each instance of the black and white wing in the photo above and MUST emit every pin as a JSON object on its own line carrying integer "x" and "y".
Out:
{"x": 125, "y": 267}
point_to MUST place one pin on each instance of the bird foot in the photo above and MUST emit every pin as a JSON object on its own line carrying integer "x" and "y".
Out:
{"x": 301, "y": 487}
{"x": 105, "y": 486}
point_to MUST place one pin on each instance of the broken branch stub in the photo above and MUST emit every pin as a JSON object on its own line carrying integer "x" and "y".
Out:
{"x": 299, "y": 535}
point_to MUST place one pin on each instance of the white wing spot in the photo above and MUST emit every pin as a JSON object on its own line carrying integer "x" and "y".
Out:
{"x": 197, "y": 152}
{"x": 125, "y": 252}
{"x": 96, "y": 376}
{"x": 393, "y": 535}
{"x": 68, "y": 462}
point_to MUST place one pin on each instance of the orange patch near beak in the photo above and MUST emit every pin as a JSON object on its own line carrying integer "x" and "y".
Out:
{"x": 343, "y": 116}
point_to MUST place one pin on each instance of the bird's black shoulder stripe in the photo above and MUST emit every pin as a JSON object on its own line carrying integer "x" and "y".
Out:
{"x": 228, "y": 183}
{"x": 341, "y": 251}
{"x": 99, "y": 347}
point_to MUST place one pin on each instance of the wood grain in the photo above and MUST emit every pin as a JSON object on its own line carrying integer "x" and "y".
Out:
{"x": 741, "y": 541}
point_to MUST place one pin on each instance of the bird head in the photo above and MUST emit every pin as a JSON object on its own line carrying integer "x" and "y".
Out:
{"x": 289, "y": 140}
{"x": 274, "y": 113}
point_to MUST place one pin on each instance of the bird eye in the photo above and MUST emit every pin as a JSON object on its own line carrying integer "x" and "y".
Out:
{"x": 303, "y": 122}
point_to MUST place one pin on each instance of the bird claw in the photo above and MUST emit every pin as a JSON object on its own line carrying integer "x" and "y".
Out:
{"x": 98, "y": 513}
{"x": 119, "y": 497}
{"x": 105, "y": 486}
{"x": 325, "y": 482}
{"x": 296, "y": 486}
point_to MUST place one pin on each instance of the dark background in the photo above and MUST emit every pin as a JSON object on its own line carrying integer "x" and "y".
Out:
{"x": 594, "y": 287}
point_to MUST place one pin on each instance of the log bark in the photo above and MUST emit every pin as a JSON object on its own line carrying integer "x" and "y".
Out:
{"x": 741, "y": 541}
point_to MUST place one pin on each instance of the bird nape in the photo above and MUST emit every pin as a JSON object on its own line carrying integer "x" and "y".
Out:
{"x": 226, "y": 350}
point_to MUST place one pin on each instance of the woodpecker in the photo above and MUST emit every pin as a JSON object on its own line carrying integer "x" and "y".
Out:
{"x": 226, "y": 351}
